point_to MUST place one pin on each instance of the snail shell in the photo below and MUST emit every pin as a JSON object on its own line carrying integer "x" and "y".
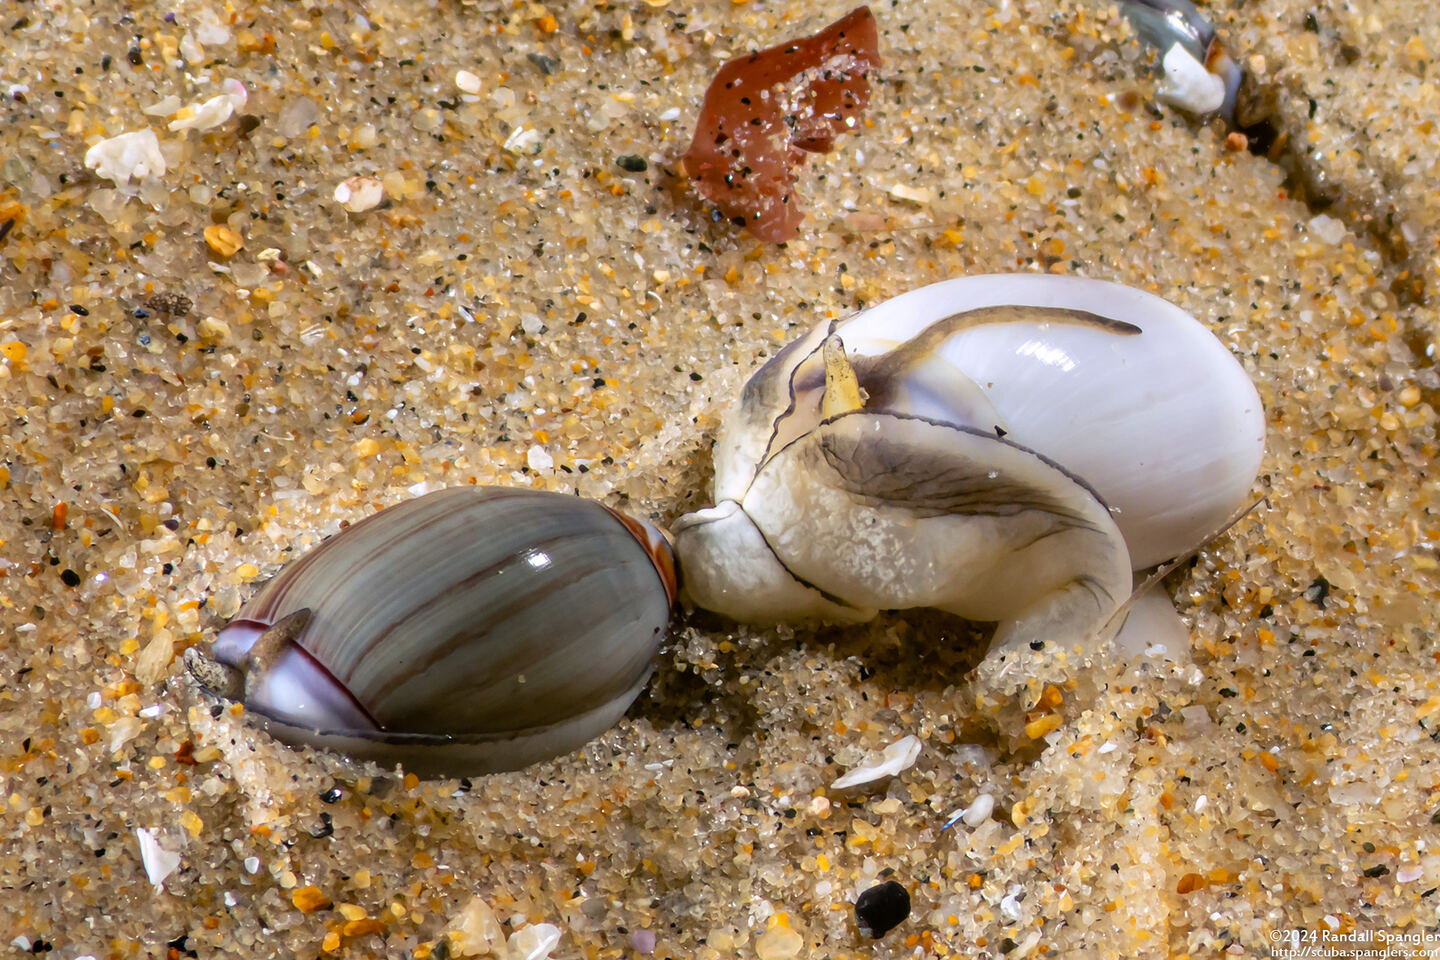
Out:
{"x": 470, "y": 630}
{"x": 1011, "y": 447}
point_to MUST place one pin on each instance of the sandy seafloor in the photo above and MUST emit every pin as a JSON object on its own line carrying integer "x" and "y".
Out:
{"x": 177, "y": 424}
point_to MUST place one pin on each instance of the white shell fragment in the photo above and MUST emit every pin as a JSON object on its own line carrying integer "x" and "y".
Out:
{"x": 130, "y": 156}
{"x": 533, "y": 942}
{"x": 159, "y": 863}
{"x": 1005, "y": 448}
{"x": 467, "y": 82}
{"x": 213, "y": 112}
{"x": 897, "y": 757}
{"x": 359, "y": 194}
{"x": 1188, "y": 85}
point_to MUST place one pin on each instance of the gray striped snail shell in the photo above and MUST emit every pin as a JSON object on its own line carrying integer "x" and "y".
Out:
{"x": 1007, "y": 448}
{"x": 470, "y": 630}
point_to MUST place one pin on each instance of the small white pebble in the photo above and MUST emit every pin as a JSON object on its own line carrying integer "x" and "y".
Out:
{"x": 252, "y": 865}
{"x": 672, "y": 114}
{"x": 537, "y": 459}
{"x": 467, "y": 81}
{"x": 133, "y": 155}
{"x": 153, "y": 711}
{"x": 191, "y": 49}
{"x": 210, "y": 30}
{"x": 1196, "y": 716}
{"x": 1408, "y": 874}
{"x": 1201, "y": 802}
{"x": 1107, "y": 747}
{"x": 901, "y": 191}
{"x": 124, "y": 730}
{"x": 979, "y": 811}
{"x": 819, "y": 806}
{"x": 359, "y": 194}
{"x": 1326, "y": 229}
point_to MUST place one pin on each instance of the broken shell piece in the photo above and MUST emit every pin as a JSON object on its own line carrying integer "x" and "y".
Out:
{"x": 159, "y": 863}
{"x": 897, "y": 757}
{"x": 359, "y": 194}
{"x": 213, "y": 112}
{"x": 533, "y": 942}
{"x": 135, "y": 155}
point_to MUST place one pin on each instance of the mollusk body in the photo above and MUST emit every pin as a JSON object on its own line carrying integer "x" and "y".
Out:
{"x": 467, "y": 631}
{"x": 1199, "y": 75}
{"x": 1016, "y": 445}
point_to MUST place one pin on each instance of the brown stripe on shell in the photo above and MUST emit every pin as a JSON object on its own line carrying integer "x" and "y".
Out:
{"x": 657, "y": 544}
{"x": 878, "y": 372}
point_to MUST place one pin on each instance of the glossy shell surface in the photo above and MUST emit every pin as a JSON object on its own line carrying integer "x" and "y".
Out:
{"x": 1115, "y": 385}
{"x": 1016, "y": 445}
{"x": 471, "y": 629}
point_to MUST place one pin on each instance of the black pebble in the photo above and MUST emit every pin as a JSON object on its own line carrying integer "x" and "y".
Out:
{"x": 881, "y": 909}
{"x": 1318, "y": 590}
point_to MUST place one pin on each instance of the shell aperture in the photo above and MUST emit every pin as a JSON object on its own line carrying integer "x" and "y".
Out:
{"x": 1023, "y": 442}
{"x": 480, "y": 629}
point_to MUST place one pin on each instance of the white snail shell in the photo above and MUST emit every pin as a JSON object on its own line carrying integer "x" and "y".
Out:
{"x": 1024, "y": 442}
{"x": 471, "y": 630}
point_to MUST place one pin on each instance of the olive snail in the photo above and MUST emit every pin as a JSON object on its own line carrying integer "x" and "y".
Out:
{"x": 1006, "y": 448}
{"x": 471, "y": 630}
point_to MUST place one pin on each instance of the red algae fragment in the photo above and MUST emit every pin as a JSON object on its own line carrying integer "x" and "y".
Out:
{"x": 764, "y": 111}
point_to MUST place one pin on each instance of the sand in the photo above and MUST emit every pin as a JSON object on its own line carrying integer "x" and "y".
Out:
{"x": 206, "y": 371}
